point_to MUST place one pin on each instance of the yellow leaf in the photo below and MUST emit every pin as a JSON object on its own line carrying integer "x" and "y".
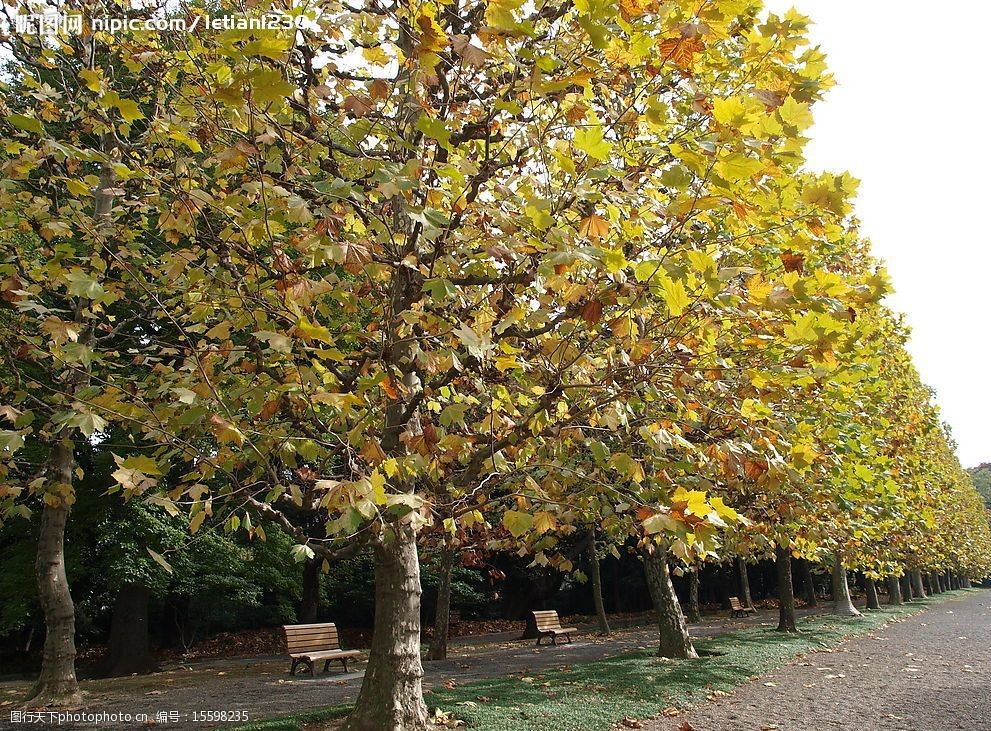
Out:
{"x": 544, "y": 522}
{"x": 196, "y": 521}
{"x": 594, "y": 227}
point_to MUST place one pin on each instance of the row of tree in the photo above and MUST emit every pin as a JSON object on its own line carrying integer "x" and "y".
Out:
{"x": 468, "y": 275}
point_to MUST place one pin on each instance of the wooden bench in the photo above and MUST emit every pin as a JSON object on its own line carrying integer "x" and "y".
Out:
{"x": 549, "y": 625}
{"x": 737, "y": 609}
{"x": 311, "y": 643}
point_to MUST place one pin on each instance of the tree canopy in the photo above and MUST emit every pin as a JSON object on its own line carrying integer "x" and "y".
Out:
{"x": 493, "y": 271}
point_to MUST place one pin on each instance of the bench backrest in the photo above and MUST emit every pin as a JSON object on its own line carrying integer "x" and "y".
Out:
{"x": 734, "y": 603}
{"x": 311, "y": 637}
{"x": 547, "y": 619}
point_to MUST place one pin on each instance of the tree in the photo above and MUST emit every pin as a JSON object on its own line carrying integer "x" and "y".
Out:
{"x": 674, "y": 640}
{"x": 505, "y": 270}
{"x": 403, "y": 312}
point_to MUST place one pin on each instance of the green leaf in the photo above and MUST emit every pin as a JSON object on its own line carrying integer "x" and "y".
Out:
{"x": 28, "y": 124}
{"x": 435, "y": 129}
{"x": 268, "y": 86}
{"x": 82, "y": 284}
{"x": 517, "y": 523}
{"x": 143, "y": 464}
{"x": 88, "y": 423}
{"x": 737, "y": 166}
{"x": 11, "y": 441}
{"x": 592, "y": 141}
{"x": 301, "y": 553}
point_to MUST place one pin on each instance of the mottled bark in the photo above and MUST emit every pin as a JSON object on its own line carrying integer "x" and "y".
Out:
{"x": 442, "y": 617}
{"x": 391, "y": 695}
{"x": 786, "y": 593}
{"x": 871, "y": 588}
{"x": 57, "y": 681}
{"x": 673, "y": 637}
{"x": 741, "y": 565}
{"x": 595, "y": 575}
{"x": 808, "y": 583}
{"x": 917, "y": 589}
{"x": 894, "y": 591}
{"x": 694, "y": 613}
{"x": 842, "y": 603}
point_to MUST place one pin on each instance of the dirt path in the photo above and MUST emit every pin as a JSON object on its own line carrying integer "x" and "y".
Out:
{"x": 261, "y": 687}
{"x": 929, "y": 671}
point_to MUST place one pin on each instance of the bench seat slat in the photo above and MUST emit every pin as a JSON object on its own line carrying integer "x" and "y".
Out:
{"x": 324, "y": 654}
{"x": 312, "y": 636}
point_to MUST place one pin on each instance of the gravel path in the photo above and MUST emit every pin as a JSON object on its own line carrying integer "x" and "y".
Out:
{"x": 262, "y": 688}
{"x": 929, "y": 671}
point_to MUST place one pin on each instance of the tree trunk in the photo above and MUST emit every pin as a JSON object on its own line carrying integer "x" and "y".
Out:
{"x": 872, "y": 601}
{"x": 808, "y": 583}
{"x": 391, "y": 695}
{"x": 906, "y": 583}
{"x": 741, "y": 565}
{"x": 694, "y": 614}
{"x": 966, "y": 582}
{"x": 894, "y": 591}
{"x": 934, "y": 583}
{"x": 786, "y": 594}
{"x": 442, "y": 618}
{"x": 917, "y": 588}
{"x": 596, "y": 576}
{"x": 128, "y": 648}
{"x": 842, "y": 604}
{"x": 674, "y": 640}
{"x": 310, "y": 604}
{"x": 57, "y": 682}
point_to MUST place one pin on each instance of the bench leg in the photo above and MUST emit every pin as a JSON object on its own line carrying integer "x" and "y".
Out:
{"x": 344, "y": 662}
{"x": 539, "y": 638}
{"x": 554, "y": 639}
{"x": 569, "y": 638}
{"x": 296, "y": 663}
{"x": 326, "y": 665}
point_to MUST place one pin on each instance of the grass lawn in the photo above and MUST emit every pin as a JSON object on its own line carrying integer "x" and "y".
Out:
{"x": 596, "y": 695}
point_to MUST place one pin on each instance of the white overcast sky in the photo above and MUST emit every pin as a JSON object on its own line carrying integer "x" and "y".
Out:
{"x": 906, "y": 118}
